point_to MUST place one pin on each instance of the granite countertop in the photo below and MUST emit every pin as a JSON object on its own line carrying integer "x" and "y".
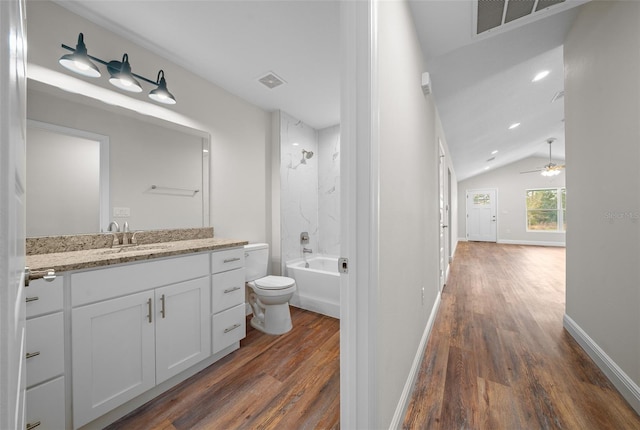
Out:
{"x": 99, "y": 257}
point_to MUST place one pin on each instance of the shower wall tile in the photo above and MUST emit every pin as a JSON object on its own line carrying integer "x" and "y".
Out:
{"x": 299, "y": 185}
{"x": 329, "y": 190}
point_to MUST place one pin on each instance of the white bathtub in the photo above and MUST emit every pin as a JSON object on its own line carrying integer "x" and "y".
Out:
{"x": 318, "y": 287}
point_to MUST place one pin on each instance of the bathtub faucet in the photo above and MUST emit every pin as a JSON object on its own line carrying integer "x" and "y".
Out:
{"x": 307, "y": 251}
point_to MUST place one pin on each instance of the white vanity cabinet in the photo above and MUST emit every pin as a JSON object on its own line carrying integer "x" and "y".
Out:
{"x": 228, "y": 319}
{"x": 133, "y": 327}
{"x": 45, "y": 397}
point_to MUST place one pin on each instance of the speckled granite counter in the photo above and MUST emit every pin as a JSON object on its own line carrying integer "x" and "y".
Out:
{"x": 105, "y": 256}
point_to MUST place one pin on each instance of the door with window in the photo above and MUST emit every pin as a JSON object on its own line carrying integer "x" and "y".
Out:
{"x": 481, "y": 215}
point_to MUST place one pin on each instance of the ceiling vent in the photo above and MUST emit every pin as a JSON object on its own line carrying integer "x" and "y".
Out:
{"x": 492, "y": 14}
{"x": 271, "y": 80}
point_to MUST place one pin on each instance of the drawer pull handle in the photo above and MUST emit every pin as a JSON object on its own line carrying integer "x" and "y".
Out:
{"x": 150, "y": 311}
{"x": 31, "y": 426}
{"x": 231, "y": 290}
{"x": 231, "y": 260}
{"x": 32, "y": 299}
{"x": 162, "y": 311}
{"x": 32, "y": 354}
{"x": 233, "y": 327}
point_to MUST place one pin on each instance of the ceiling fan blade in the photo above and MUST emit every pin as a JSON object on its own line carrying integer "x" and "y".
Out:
{"x": 532, "y": 171}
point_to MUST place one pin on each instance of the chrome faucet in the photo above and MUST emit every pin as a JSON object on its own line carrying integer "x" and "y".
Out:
{"x": 116, "y": 239}
{"x": 307, "y": 250}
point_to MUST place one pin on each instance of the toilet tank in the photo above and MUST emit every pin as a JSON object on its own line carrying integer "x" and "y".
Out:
{"x": 256, "y": 261}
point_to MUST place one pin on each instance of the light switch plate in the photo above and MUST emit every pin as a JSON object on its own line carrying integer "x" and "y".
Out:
{"x": 121, "y": 212}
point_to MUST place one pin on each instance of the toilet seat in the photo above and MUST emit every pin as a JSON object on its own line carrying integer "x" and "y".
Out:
{"x": 274, "y": 283}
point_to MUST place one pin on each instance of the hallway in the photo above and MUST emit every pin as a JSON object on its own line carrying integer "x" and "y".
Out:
{"x": 498, "y": 356}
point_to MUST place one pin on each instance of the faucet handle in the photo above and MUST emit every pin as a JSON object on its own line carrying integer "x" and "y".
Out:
{"x": 116, "y": 239}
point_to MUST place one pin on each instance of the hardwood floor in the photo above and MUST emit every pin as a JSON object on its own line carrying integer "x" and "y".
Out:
{"x": 285, "y": 382}
{"x": 498, "y": 356}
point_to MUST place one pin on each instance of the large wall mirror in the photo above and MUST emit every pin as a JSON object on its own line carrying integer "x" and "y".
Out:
{"x": 89, "y": 164}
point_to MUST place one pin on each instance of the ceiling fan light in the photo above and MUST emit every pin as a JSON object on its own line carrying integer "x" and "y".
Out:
{"x": 79, "y": 62}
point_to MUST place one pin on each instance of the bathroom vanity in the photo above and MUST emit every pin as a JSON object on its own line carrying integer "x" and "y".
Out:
{"x": 118, "y": 326}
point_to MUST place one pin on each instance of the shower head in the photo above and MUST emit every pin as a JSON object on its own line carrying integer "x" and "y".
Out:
{"x": 305, "y": 156}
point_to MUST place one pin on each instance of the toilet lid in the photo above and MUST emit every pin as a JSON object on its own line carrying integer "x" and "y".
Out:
{"x": 274, "y": 282}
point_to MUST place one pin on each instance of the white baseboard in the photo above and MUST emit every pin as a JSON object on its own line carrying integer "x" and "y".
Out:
{"x": 403, "y": 403}
{"x": 531, "y": 242}
{"x": 629, "y": 389}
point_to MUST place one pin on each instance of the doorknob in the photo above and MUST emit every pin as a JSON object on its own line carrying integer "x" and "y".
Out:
{"x": 445, "y": 226}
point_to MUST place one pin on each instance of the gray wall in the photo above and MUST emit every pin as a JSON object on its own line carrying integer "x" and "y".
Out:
{"x": 408, "y": 205}
{"x": 511, "y": 213}
{"x": 602, "y": 96}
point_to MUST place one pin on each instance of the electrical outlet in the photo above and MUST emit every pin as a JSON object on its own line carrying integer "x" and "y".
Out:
{"x": 121, "y": 212}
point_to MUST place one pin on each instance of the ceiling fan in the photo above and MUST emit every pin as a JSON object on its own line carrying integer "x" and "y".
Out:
{"x": 551, "y": 169}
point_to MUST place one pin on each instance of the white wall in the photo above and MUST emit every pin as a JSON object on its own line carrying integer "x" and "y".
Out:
{"x": 602, "y": 105}
{"x": 408, "y": 206}
{"x": 240, "y": 132}
{"x": 512, "y": 209}
{"x": 64, "y": 184}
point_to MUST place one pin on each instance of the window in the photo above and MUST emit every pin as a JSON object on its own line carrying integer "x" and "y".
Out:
{"x": 546, "y": 209}
{"x": 481, "y": 199}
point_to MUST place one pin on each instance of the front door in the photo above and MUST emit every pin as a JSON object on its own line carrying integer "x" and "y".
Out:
{"x": 481, "y": 215}
{"x": 12, "y": 213}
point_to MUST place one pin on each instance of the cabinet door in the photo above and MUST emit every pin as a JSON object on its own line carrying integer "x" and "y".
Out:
{"x": 113, "y": 354}
{"x": 183, "y": 330}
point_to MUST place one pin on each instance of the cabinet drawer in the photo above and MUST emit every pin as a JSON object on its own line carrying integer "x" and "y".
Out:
{"x": 45, "y": 348}
{"x": 96, "y": 285}
{"x": 230, "y": 259}
{"x": 45, "y": 405}
{"x": 228, "y": 327}
{"x": 228, "y": 290}
{"x": 44, "y": 296}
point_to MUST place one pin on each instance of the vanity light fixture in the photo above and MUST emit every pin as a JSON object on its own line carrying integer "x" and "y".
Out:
{"x": 79, "y": 61}
{"x": 121, "y": 76}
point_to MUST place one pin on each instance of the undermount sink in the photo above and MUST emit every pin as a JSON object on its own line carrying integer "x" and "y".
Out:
{"x": 125, "y": 249}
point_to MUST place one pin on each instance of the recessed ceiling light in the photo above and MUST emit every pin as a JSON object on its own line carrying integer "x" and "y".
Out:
{"x": 487, "y": 168}
{"x": 494, "y": 152}
{"x": 295, "y": 144}
{"x": 514, "y": 125}
{"x": 540, "y": 76}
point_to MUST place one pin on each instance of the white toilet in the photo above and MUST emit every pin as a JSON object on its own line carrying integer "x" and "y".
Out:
{"x": 270, "y": 295}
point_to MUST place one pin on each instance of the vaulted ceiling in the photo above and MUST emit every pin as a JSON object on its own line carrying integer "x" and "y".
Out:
{"x": 481, "y": 82}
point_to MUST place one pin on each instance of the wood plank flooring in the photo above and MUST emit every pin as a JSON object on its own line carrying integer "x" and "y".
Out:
{"x": 498, "y": 356}
{"x": 272, "y": 382}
